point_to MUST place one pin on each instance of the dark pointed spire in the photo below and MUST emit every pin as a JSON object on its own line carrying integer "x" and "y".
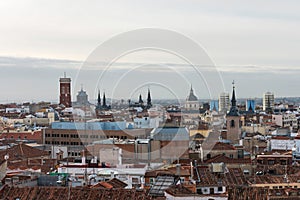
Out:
{"x": 192, "y": 96}
{"x": 233, "y": 109}
{"x": 233, "y": 99}
{"x": 104, "y": 100}
{"x": 149, "y": 103}
{"x": 99, "y": 98}
{"x": 140, "y": 99}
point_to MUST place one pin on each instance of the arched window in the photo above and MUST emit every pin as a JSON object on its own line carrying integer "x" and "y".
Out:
{"x": 232, "y": 123}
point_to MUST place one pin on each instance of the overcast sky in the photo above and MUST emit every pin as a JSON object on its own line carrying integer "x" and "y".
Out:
{"x": 256, "y": 43}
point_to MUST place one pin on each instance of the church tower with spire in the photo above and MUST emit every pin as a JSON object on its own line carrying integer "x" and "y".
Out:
{"x": 99, "y": 99}
{"x": 192, "y": 102}
{"x": 233, "y": 120}
{"x": 149, "y": 103}
{"x": 101, "y": 108}
{"x": 104, "y": 101}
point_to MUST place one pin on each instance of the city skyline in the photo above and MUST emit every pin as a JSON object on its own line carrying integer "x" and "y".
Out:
{"x": 49, "y": 76}
{"x": 139, "y": 99}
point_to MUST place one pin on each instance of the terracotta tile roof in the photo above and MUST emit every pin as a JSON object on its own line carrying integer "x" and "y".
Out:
{"x": 297, "y": 137}
{"x": 116, "y": 183}
{"x": 233, "y": 176}
{"x": 178, "y": 189}
{"x": 182, "y": 191}
{"x": 98, "y": 185}
{"x": 236, "y": 192}
{"x": 222, "y": 158}
{"x": 112, "y": 183}
{"x": 155, "y": 173}
{"x": 223, "y": 146}
{"x": 269, "y": 179}
{"x": 105, "y": 185}
{"x": 280, "y": 138}
{"x": 22, "y": 151}
{"x": 184, "y": 171}
{"x": 78, "y": 193}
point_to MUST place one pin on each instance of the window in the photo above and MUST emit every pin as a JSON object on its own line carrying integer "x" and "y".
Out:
{"x": 135, "y": 180}
{"x": 199, "y": 191}
{"x": 283, "y": 162}
{"x": 220, "y": 189}
{"x": 271, "y": 162}
{"x": 152, "y": 180}
{"x": 232, "y": 123}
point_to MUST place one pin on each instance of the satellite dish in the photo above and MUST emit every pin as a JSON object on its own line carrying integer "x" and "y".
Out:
{"x": 6, "y": 157}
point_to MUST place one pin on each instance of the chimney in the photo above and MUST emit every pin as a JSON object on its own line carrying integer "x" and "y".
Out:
{"x": 112, "y": 175}
{"x": 178, "y": 169}
{"x": 201, "y": 154}
{"x": 192, "y": 170}
{"x": 129, "y": 181}
{"x": 83, "y": 158}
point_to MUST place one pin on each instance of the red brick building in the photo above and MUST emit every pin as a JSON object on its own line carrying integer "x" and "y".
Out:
{"x": 65, "y": 91}
{"x": 36, "y": 136}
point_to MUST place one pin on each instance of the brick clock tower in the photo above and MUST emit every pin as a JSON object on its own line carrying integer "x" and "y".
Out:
{"x": 65, "y": 91}
{"x": 233, "y": 121}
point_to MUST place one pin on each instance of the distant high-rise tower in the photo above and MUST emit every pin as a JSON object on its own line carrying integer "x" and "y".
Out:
{"x": 214, "y": 105}
{"x": 233, "y": 121}
{"x": 250, "y": 105}
{"x": 65, "y": 91}
{"x": 268, "y": 101}
{"x": 224, "y": 102}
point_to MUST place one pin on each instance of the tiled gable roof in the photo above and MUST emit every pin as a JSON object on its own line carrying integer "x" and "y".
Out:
{"x": 222, "y": 158}
{"x": 223, "y": 146}
{"x": 22, "y": 151}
